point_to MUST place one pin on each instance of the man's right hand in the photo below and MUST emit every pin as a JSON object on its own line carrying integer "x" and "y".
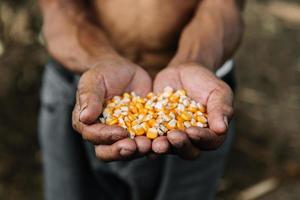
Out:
{"x": 110, "y": 77}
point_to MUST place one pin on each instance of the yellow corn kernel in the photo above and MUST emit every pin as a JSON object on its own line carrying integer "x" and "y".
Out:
{"x": 145, "y": 126}
{"x": 201, "y": 119}
{"x": 179, "y": 118}
{"x": 141, "y": 100}
{"x": 150, "y": 95}
{"x": 127, "y": 122}
{"x": 131, "y": 131}
{"x": 134, "y": 123}
{"x": 181, "y": 92}
{"x": 127, "y": 95}
{"x": 193, "y": 122}
{"x": 139, "y": 130}
{"x": 131, "y": 117}
{"x": 112, "y": 121}
{"x": 185, "y": 116}
{"x": 172, "y": 106}
{"x": 133, "y": 108}
{"x": 143, "y": 111}
{"x": 192, "y": 109}
{"x": 151, "y": 122}
{"x": 139, "y": 106}
{"x": 180, "y": 125}
{"x": 174, "y": 98}
{"x": 170, "y": 127}
{"x": 152, "y": 133}
{"x": 147, "y": 106}
{"x": 201, "y": 108}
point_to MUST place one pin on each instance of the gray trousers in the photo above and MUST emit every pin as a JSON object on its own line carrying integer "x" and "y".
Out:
{"x": 72, "y": 172}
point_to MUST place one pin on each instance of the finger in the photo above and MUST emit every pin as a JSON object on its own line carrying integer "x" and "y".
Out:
{"x": 103, "y": 134}
{"x": 161, "y": 145}
{"x": 91, "y": 91}
{"x": 121, "y": 150}
{"x": 77, "y": 125}
{"x": 182, "y": 145}
{"x": 204, "y": 138}
{"x": 220, "y": 109}
{"x": 165, "y": 78}
{"x": 143, "y": 144}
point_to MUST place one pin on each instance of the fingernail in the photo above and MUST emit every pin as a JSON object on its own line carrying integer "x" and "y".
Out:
{"x": 226, "y": 121}
{"x": 82, "y": 113}
{"x": 125, "y": 152}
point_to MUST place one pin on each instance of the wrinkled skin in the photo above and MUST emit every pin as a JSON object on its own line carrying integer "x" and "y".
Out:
{"x": 204, "y": 87}
{"x": 107, "y": 79}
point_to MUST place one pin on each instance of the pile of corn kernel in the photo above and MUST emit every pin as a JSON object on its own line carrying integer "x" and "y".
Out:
{"x": 154, "y": 115}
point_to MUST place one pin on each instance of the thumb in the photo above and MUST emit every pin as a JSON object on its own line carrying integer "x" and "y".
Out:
{"x": 168, "y": 77}
{"x": 220, "y": 109}
{"x": 91, "y": 92}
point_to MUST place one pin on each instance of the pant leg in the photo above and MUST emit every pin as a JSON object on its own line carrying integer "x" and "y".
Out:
{"x": 67, "y": 174}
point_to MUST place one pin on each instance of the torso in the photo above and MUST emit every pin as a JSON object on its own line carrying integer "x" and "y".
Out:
{"x": 145, "y": 31}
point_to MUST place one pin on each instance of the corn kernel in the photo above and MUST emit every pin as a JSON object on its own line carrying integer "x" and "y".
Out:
{"x": 150, "y": 95}
{"x": 201, "y": 119}
{"x": 192, "y": 109}
{"x": 181, "y": 92}
{"x": 112, "y": 121}
{"x": 139, "y": 130}
{"x": 145, "y": 126}
{"x": 151, "y": 122}
{"x": 174, "y": 98}
{"x": 139, "y": 106}
{"x": 185, "y": 116}
{"x": 172, "y": 124}
{"x": 187, "y": 124}
{"x": 127, "y": 95}
{"x": 180, "y": 125}
{"x": 152, "y": 133}
{"x": 133, "y": 109}
{"x": 201, "y": 108}
{"x": 131, "y": 117}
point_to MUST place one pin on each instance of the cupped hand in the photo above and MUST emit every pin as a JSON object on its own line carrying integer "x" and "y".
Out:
{"x": 110, "y": 77}
{"x": 204, "y": 87}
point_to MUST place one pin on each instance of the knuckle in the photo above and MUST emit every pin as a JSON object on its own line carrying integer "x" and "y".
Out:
{"x": 99, "y": 154}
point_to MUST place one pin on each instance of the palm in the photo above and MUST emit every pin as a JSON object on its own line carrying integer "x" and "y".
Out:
{"x": 122, "y": 76}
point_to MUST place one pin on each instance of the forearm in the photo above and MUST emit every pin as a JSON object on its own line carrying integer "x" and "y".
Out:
{"x": 212, "y": 36}
{"x": 71, "y": 37}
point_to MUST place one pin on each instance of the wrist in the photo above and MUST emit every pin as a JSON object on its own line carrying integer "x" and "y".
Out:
{"x": 199, "y": 45}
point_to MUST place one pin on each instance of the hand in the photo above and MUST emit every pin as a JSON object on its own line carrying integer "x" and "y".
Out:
{"x": 109, "y": 78}
{"x": 204, "y": 87}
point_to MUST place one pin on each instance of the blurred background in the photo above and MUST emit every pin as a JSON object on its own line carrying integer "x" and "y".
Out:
{"x": 265, "y": 160}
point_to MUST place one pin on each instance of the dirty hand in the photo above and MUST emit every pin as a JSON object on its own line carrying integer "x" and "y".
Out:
{"x": 107, "y": 79}
{"x": 204, "y": 87}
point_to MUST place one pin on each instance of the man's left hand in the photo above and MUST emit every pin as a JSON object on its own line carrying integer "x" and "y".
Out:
{"x": 204, "y": 87}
